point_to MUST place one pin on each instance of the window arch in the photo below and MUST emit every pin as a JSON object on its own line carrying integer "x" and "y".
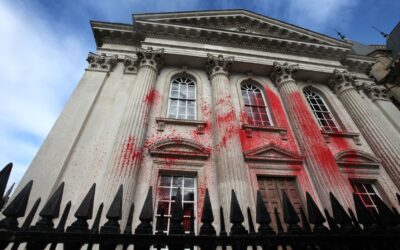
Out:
{"x": 321, "y": 111}
{"x": 255, "y": 105}
{"x": 182, "y": 98}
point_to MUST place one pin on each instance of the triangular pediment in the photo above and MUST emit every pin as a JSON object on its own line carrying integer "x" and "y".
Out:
{"x": 179, "y": 148}
{"x": 241, "y": 21}
{"x": 356, "y": 158}
{"x": 272, "y": 153}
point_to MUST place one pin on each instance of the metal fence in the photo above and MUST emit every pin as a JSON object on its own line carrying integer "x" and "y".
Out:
{"x": 344, "y": 230}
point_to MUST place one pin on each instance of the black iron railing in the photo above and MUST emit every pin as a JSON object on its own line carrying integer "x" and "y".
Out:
{"x": 346, "y": 230}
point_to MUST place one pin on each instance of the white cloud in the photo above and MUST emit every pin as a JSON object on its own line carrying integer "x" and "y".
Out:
{"x": 40, "y": 67}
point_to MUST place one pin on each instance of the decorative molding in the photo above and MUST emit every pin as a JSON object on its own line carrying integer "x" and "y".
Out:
{"x": 150, "y": 57}
{"x": 282, "y": 73}
{"x": 179, "y": 148}
{"x": 375, "y": 92}
{"x": 341, "y": 81}
{"x": 272, "y": 153}
{"x": 130, "y": 65}
{"x": 218, "y": 65}
{"x": 161, "y": 122}
{"x": 352, "y": 135}
{"x": 248, "y": 128}
{"x": 356, "y": 158}
{"x": 102, "y": 62}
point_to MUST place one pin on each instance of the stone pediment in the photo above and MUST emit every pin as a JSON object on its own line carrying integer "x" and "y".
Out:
{"x": 272, "y": 153}
{"x": 179, "y": 148}
{"x": 241, "y": 21}
{"x": 354, "y": 158}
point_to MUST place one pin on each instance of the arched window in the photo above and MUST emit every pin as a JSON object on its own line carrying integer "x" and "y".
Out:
{"x": 321, "y": 111}
{"x": 255, "y": 105}
{"x": 182, "y": 98}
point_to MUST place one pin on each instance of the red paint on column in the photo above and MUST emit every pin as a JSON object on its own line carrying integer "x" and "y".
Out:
{"x": 152, "y": 97}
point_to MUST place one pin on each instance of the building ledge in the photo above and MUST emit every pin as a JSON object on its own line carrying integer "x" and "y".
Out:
{"x": 328, "y": 134}
{"x": 161, "y": 121}
{"x": 249, "y": 128}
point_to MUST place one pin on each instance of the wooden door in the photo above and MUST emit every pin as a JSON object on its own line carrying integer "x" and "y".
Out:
{"x": 271, "y": 189}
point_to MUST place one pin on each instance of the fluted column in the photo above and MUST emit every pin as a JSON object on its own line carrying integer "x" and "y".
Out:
{"x": 231, "y": 170}
{"x": 320, "y": 163}
{"x": 378, "y": 95}
{"x": 383, "y": 138}
{"x": 127, "y": 155}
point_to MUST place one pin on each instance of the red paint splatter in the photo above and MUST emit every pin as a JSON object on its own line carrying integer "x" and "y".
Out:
{"x": 152, "y": 97}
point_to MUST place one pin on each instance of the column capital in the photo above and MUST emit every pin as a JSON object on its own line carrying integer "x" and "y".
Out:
{"x": 375, "y": 92}
{"x": 218, "y": 64}
{"x": 150, "y": 57}
{"x": 341, "y": 81}
{"x": 130, "y": 65}
{"x": 101, "y": 62}
{"x": 282, "y": 73}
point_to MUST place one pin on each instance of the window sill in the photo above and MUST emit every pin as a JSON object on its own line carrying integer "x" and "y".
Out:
{"x": 328, "y": 134}
{"x": 161, "y": 121}
{"x": 248, "y": 128}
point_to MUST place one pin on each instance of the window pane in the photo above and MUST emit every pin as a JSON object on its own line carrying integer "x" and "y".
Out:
{"x": 187, "y": 209}
{"x": 164, "y": 193}
{"x": 177, "y": 181}
{"x": 165, "y": 181}
{"x": 182, "y": 90}
{"x": 189, "y": 182}
{"x": 321, "y": 111}
{"x": 188, "y": 195}
{"x": 163, "y": 206}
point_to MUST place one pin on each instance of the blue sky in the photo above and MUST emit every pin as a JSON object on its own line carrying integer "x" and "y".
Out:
{"x": 44, "y": 44}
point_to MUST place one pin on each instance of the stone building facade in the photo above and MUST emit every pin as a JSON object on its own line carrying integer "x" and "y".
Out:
{"x": 221, "y": 100}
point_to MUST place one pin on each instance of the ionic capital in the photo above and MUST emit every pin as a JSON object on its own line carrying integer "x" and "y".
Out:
{"x": 282, "y": 73}
{"x": 341, "y": 81}
{"x": 150, "y": 57}
{"x": 218, "y": 64}
{"x": 101, "y": 62}
{"x": 375, "y": 92}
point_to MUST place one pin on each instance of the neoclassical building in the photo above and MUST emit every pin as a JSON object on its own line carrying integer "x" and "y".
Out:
{"x": 222, "y": 100}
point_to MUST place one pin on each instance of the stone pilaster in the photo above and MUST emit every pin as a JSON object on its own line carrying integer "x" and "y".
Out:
{"x": 128, "y": 152}
{"x": 383, "y": 138}
{"x": 231, "y": 171}
{"x": 319, "y": 161}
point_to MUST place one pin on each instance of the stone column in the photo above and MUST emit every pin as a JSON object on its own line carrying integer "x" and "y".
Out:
{"x": 319, "y": 161}
{"x": 378, "y": 95}
{"x": 383, "y": 138}
{"x": 128, "y": 152}
{"x": 231, "y": 170}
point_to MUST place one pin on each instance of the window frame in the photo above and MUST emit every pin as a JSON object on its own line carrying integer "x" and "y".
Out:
{"x": 186, "y": 100}
{"x": 337, "y": 127}
{"x": 374, "y": 188}
{"x": 250, "y": 116}
{"x": 171, "y": 201}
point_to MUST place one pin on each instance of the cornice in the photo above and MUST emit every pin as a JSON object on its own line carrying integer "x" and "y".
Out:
{"x": 358, "y": 63}
{"x": 238, "y": 39}
{"x": 114, "y": 33}
{"x": 215, "y": 16}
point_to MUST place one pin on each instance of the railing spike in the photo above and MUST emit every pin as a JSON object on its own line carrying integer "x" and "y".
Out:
{"x": 289, "y": 215}
{"x": 7, "y": 196}
{"x": 29, "y": 218}
{"x": 96, "y": 223}
{"x": 386, "y": 216}
{"x": 16, "y": 208}
{"x": 398, "y": 197}
{"x": 160, "y": 223}
{"x": 354, "y": 220}
{"x": 250, "y": 221}
{"x": 331, "y": 222}
{"x": 304, "y": 220}
{"x": 192, "y": 220}
{"x": 61, "y": 224}
{"x": 4, "y": 176}
{"x": 236, "y": 217}
{"x": 364, "y": 215}
{"x": 207, "y": 217}
{"x": 222, "y": 222}
{"x": 128, "y": 227}
{"x": 146, "y": 215}
{"x": 340, "y": 215}
{"x": 315, "y": 216}
{"x": 176, "y": 226}
{"x": 114, "y": 214}
{"x": 262, "y": 217}
{"x": 84, "y": 213}
{"x": 279, "y": 227}
{"x": 50, "y": 211}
